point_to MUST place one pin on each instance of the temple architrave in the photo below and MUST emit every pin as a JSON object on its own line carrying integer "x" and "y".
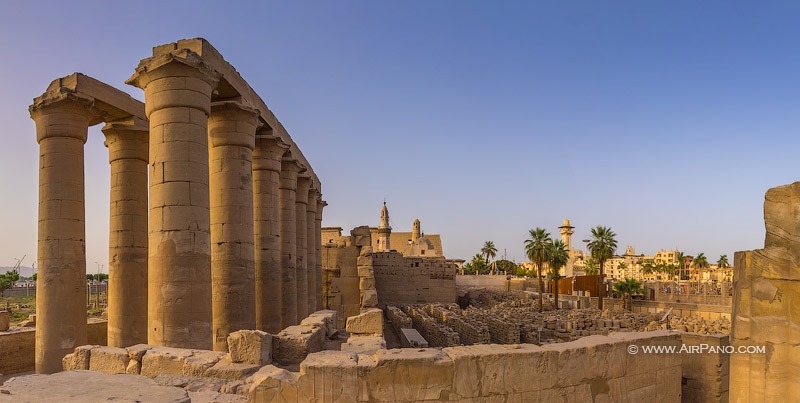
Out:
{"x": 225, "y": 234}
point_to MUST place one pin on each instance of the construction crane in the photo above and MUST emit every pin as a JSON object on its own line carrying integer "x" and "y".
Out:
{"x": 19, "y": 262}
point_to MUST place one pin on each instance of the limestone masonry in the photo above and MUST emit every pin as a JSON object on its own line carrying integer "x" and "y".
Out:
{"x": 222, "y": 237}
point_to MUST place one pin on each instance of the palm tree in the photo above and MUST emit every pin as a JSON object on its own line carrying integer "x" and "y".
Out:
{"x": 627, "y": 289}
{"x": 489, "y": 251}
{"x": 700, "y": 262}
{"x": 722, "y": 263}
{"x": 559, "y": 256}
{"x": 681, "y": 258}
{"x": 590, "y": 267}
{"x": 602, "y": 246}
{"x": 538, "y": 251}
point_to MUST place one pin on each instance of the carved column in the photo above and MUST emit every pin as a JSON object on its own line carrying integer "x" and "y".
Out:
{"x": 231, "y": 131}
{"x": 267, "y": 158}
{"x": 61, "y": 129}
{"x": 177, "y": 90}
{"x": 311, "y": 241}
{"x": 301, "y": 202}
{"x": 127, "y": 239}
{"x": 320, "y": 205}
{"x": 288, "y": 234}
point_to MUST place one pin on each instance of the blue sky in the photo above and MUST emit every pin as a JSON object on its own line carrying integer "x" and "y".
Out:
{"x": 666, "y": 121}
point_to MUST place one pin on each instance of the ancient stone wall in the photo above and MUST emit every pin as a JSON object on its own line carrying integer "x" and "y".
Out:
{"x": 17, "y": 346}
{"x": 765, "y": 305}
{"x": 434, "y": 332}
{"x": 705, "y": 375}
{"x": 596, "y": 368}
{"x": 398, "y": 319}
{"x": 403, "y": 280}
{"x": 469, "y": 331}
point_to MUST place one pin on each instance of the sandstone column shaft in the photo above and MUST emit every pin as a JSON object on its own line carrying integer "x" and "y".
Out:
{"x": 301, "y": 202}
{"x": 311, "y": 250}
{"x": 267, "y": 157}
{"x": 127, "y": 241}
{"x": 177, "y": 102}
{"x": 231, "y": 130}
{"x": 61, "y": 129}
{"x": 318, "y": 223}
{"x": 288, "y": 234}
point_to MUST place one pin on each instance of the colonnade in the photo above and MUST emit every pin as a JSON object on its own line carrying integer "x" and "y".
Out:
{"x": 215, "y": 215}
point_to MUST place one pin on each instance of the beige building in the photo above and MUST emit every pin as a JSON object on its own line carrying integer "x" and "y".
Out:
{"x": 410, "y": 244}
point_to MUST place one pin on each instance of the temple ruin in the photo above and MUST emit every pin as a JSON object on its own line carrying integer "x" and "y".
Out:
{"x": 231, "y": 237}
{"x": 220, "y": 270}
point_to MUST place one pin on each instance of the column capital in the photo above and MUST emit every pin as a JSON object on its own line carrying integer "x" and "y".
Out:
{"x": 173, "y": 80}
{"x": 303, "y": 186}
{"x": 232, "y": 123}
{"x": 268, "y": 152}
{"x": 313, "y": 194}
{"x": 320, "y": 205}
{"x": 182, "y": 62}
{"x": 64, "y": 114}
{"x": 127, "y": 140}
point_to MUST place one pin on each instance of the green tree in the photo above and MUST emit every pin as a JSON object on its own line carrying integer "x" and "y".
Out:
{"x": 700, "y": 263}
{"x": 602, "y": 246}
{"x": 537, "y": 249}
{"x": 90, "y": 277}
{"x": 559, "y": 256}
{"x": 476, "y": 266}
{"x": 489, "y": 251}
{"x": 34, "y": 276}
{"x": 681, "y": 258}
{"x": 627, "y": 289}
{"x": 506, "y": 266}
{"x": 591, "y": 267}
{"x": 722, "y": 263}
{"x": 648, "y": 268}
{"x": 101, "y": 276}
{"x": 7, "y": 280}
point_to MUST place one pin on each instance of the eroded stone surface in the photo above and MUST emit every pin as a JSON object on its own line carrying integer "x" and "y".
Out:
{"x": 88, "y": 386}
{"x": 368, "y": 322}
{"x": 250, "y": 347}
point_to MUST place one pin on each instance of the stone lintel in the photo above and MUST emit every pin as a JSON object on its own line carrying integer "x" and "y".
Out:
{"x": 113, "y": 103}
{"x": 232, "y": 85}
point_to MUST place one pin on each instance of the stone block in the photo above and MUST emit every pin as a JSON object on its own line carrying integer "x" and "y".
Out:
{"x": 332, "y": 376}
{"x": 109, "y": 360}
{"x": 330, "y": 318}
{"x": 5, "y": 321}
{"x": 410, "y": 338}
{"x": 250, "y": 347}
{"x": 225, "y": 369}
{"x": 273, "y": 384}
{"x": 368, "y": 322}
{"x": 201, "y": 361}
{"x": 79, "y": 359}
{"x": 369, "y": 345}
{"x": 407, "y": 375}
{"x": 292, "y": 344}
{"x": 365, "y": 271}
{"x": 369, "y": 299}
{"x": 164, "y": 360}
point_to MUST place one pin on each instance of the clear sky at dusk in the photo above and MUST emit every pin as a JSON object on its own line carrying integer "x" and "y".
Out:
{"x": 665, "y": 120}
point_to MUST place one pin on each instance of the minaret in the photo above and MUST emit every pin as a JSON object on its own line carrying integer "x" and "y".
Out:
{"x": 415, "y": 231}
{"x": 384, "y": 231}
{"x": 566, "y": 231}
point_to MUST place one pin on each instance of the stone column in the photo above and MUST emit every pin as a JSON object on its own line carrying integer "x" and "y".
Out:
{"x": 301, "y": 202}
{"x": 231, "y": 131}
{"x": 61, "y": 129}
{"x": 288, "y": 234}
{"x": 127, "y": 239}
{"x": 318, "y": 224}
{"x": 266, "y": 182}
{"x": 314, "y": 288}
{"x": 177, "y": 90}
